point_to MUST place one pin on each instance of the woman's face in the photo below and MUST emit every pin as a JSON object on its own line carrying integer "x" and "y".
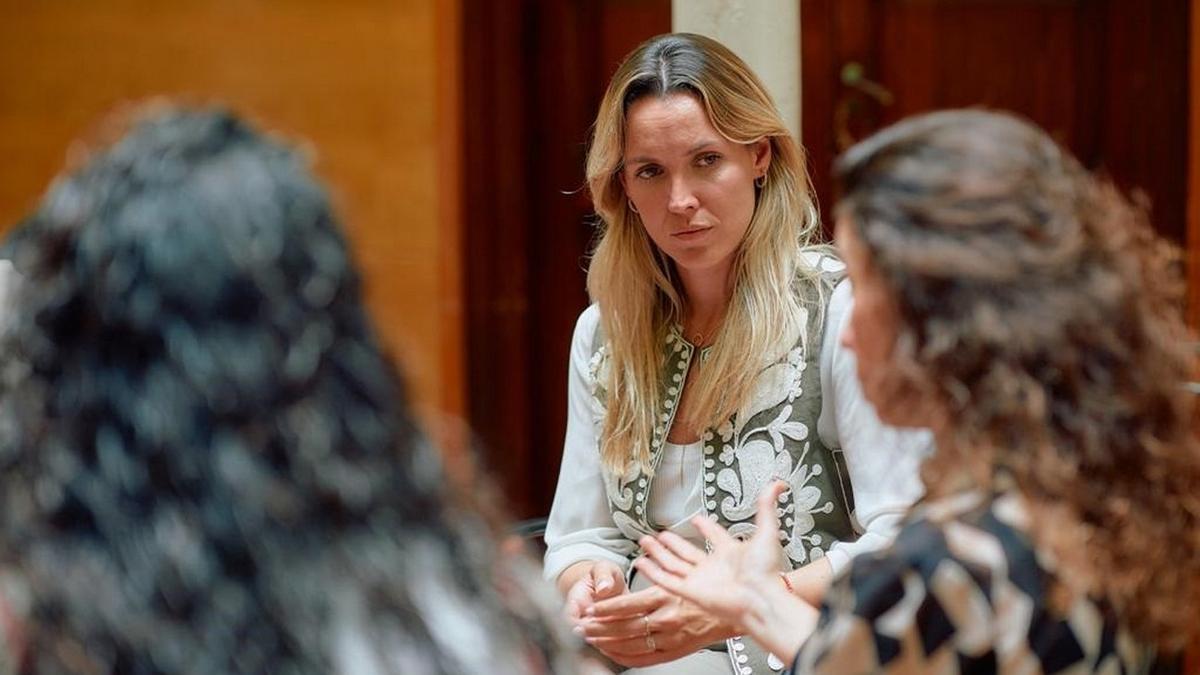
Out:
{"x": 872, "y": 331}
{"x": 693, "y": 188}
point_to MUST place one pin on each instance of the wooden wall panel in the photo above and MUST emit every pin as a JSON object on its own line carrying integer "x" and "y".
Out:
{"x": 362, "y": 81}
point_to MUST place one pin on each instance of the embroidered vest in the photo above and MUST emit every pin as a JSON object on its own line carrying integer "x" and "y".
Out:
{"x": 774, "y": 435}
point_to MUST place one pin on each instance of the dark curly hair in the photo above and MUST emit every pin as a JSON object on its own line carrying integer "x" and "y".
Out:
{"x": 1043, "y": 313}
{"x": 206, "y": 462}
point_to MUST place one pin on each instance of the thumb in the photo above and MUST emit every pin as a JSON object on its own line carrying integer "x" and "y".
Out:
{"x": 607, "y": 580}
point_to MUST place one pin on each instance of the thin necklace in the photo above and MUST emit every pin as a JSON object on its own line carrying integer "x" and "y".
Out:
{"x": 700, "y": 338}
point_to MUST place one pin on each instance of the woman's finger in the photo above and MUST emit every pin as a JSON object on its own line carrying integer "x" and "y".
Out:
{"x": 614, "y": 630}
{"x": 768, "y": 501}
{"x": 660, "y": 577}
{"x": 628, "y": 605}
{"x": 664, "y": 557}
{"x": 626, "y": 646}
{"x": 682, "y": 548}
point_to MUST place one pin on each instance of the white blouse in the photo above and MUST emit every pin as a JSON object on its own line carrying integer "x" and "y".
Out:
{"x": 677, "y": 485}
{"x": 883, "y": 462}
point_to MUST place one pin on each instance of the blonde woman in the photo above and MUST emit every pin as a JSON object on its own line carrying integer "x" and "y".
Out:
{"x": 1027, "y": 313}
{"x": 709, "y": 364}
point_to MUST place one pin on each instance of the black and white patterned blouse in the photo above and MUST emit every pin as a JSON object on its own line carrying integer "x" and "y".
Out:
{"x": 963, "y": 591}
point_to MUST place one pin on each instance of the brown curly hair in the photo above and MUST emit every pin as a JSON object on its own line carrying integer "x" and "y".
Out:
{"x": 1043, "y": 315}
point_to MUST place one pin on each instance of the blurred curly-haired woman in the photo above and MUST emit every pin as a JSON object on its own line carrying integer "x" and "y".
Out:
{"x": 1026, "y": 311}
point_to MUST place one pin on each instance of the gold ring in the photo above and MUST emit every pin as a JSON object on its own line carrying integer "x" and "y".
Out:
{"x": 646, "y": 620}
{"x": 651, "y": 644}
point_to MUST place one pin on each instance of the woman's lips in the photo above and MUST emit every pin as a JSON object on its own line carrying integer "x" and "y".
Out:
{"x": 691, "y": 233}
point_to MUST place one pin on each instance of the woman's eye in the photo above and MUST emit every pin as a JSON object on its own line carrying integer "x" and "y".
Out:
{"x": 648, "y": 172}
{"x": 708, "y": 159}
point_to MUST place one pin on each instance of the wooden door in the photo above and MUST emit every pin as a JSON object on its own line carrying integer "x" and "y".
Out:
{"x": 534, "y": 73}
{"x": 1109, "y": 78}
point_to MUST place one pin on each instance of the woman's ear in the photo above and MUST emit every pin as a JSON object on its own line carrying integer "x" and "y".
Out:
{"x": 761, "y": 151}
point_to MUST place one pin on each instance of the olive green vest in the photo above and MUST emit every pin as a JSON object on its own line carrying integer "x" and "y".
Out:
{"x": 773, "y": 436}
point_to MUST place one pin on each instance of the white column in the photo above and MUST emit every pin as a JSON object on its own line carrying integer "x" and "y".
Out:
{"x": 765, "y": 33}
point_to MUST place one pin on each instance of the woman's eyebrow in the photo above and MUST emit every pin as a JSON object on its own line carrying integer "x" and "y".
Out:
{"x": 643, "y": 159}
{"x": 702, "y": 145}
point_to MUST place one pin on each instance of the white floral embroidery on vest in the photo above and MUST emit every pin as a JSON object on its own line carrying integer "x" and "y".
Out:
{"x": 773, "y": 436}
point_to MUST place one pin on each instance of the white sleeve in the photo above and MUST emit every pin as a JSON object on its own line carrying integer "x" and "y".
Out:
{"x": 883, "y": 462}
{"x": 580, "y": 526}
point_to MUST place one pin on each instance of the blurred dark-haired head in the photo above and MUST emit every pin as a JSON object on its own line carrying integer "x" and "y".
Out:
{"x": 206, "y": 461}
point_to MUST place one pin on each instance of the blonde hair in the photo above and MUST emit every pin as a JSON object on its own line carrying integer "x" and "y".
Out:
{"x": 634, "y": 283}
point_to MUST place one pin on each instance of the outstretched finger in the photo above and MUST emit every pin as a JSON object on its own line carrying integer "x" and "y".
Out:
{"x": 765, "y": 518}
{"x": 664, "y": 557}
{"x": 682, "y": 548}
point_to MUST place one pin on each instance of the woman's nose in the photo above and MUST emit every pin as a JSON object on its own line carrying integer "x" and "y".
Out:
{"x": 682, "y": 199}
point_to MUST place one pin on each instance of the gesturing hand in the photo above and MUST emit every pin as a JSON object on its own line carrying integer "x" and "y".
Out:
{"x": 725, "y": 580}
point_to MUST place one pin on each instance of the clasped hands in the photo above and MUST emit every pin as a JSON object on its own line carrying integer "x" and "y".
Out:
{"x": 638, "y": 628}
{"x": 698, "y": 598}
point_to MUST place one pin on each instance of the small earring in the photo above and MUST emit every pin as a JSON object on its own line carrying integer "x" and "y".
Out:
{"x": 761, "y": 181}
{"x": 632, "y": 207}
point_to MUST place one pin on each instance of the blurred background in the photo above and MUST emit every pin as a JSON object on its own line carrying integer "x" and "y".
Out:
{"x": 453, "y": 134}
